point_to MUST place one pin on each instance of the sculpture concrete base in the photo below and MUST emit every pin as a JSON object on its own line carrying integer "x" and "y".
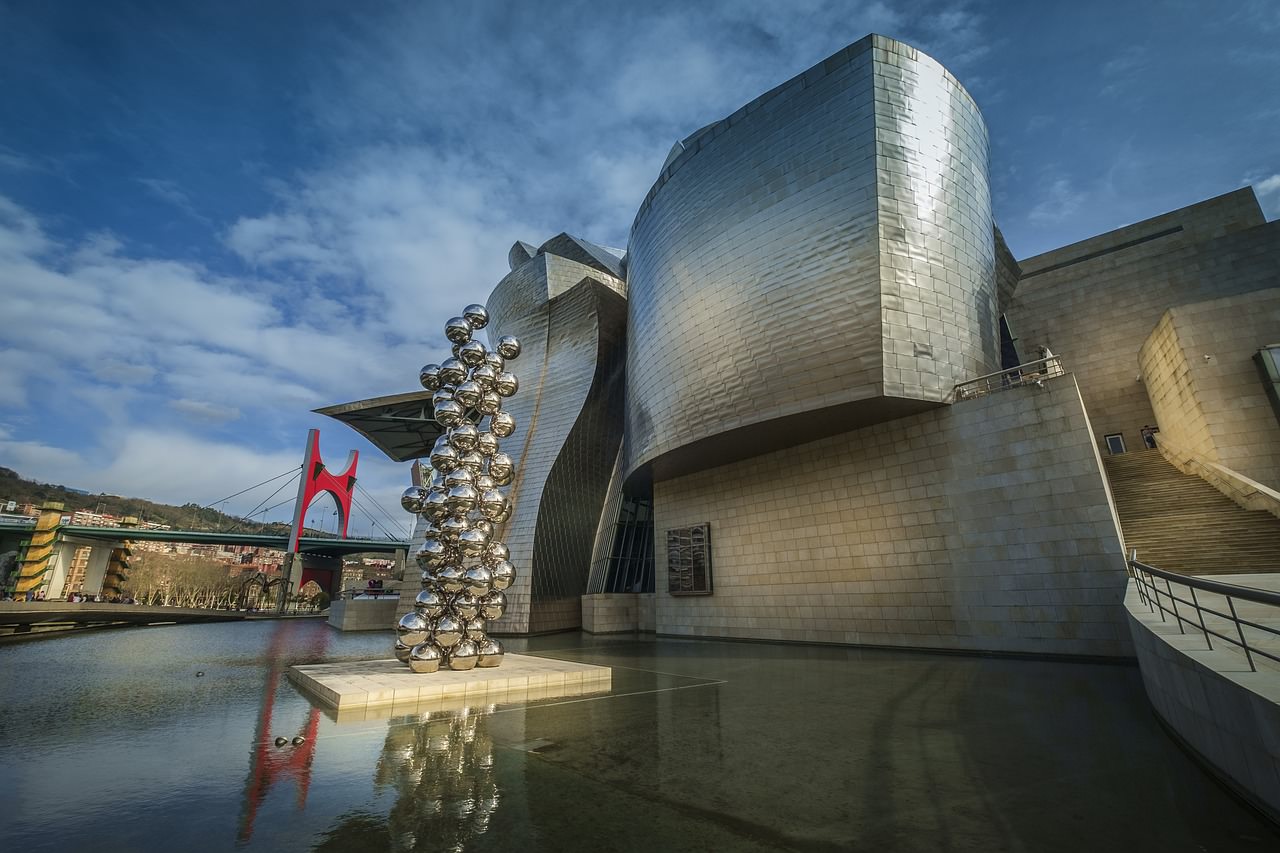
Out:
{"x": 365, "y": 684}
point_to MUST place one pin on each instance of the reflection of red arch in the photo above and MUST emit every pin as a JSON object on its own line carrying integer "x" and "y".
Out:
{"x": 316, "y": 479}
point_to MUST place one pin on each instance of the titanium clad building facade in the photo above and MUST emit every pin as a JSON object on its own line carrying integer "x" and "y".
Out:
{"x": 565, "y": 303}
{"x": 823, "y": 257}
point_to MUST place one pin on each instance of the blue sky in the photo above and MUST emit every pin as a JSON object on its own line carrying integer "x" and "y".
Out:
{"x": 215, "y": 217}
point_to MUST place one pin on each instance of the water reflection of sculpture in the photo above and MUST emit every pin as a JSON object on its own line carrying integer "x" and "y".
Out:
{"x": 443, "y": 771}
{"x": 465, "y": 568}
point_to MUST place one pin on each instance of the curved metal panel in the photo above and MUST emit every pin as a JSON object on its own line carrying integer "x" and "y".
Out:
{"x": 826, "y": 250}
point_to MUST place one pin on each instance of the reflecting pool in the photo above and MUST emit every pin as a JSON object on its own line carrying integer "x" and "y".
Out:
{"x": 114, "y": 741}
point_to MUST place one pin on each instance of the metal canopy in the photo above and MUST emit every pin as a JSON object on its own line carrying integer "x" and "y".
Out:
{"x": 400, "y": 425}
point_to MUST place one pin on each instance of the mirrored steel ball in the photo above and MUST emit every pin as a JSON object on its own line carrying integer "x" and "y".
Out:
{"x": 495, "y": 361}
{"x": 502, "y": 424}
{"x": 451, "y": 528}
{"x": 471, "y": 542}
{"x": 492, "y": 503}
{"x": 489, "y": 403}
{"x": 475, "y": 629}
{"x": 413, "y": 628}
{"x": 449, "y": 414}
{"x": 484, "y": 526}
{"x": 497, "y": 551}
{"x": 444, "y": 459}
{"x": 502, "y": 574}
{"x": 465, "y": 606}
{"x": 471, "y": 353}
{"x": 429, "y": 603}
{"x": 479, "y": 581}
{"x": 462, "y": 498}
{"x": 476, "y": 315}
{"x": 484, "y": 483}
{"x": 464, "y": 656}
{"x": 429, "y": 376}
{"x": 484, "y": 376}
{"x": 508, "y": 346}
{"x": 448, "y": 631}
{"x": 460, "y": 475}
{"x": 411, "y": 500}
{"x": 425, "y": 657}
{"x": 472, "y": 461}
{"x": 463, "y": 437}
{"x": 402, "y": 651}
{"x": 457, "y": 330}
{"x": 487, "y": 444}
{"x": 452, "y": 372}
{"x": 435, "y": 507}
{"x": 505, "y": 514}
{"x": 468, "y": 394}
{"x": 493, "y": 605}
{"x": 430, "y": 554}
{"x": 491, "y": 652}
{"x": 450, "y": 579}
{"x": 506, "y": 384}
{"x": 501, "y": 468}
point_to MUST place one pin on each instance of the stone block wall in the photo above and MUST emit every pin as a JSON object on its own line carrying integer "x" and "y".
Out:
{"x": 982, "y": 526}
{"x": 1208, "y": 397}
{"x": 1094, "y": 303}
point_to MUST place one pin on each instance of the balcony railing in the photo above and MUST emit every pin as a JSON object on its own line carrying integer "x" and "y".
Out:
{"x": 1164, "y": 591}
{"x": 1031, "y": 373}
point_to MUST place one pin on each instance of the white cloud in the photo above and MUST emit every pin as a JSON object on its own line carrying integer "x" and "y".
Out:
{"x": 1268, "y": 186}
{"x": 1061, "y": 200}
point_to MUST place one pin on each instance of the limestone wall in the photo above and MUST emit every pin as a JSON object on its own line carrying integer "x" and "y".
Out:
{"x": 984, "y": 526}
{"x": 1204, "y": 386}
{"x": 1095, "y": 302}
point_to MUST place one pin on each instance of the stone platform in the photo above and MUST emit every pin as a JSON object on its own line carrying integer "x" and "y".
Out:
{"x": 371, "y": 683}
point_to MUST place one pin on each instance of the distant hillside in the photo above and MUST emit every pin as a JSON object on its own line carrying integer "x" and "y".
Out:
{"x": 14, "y": 487}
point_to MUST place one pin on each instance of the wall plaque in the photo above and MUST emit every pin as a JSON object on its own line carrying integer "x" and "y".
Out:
{"x": 689, "y": 560}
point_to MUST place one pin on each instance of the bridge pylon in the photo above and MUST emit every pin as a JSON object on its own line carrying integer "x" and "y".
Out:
{"x": 315, "y": 480}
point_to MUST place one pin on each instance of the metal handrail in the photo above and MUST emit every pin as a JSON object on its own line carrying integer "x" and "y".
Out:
{"x": 1153, "y": 596}
{"x": 1030, "y": 373}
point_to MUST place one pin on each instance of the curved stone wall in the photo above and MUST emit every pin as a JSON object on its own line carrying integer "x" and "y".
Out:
{"x": 821, "y": 259}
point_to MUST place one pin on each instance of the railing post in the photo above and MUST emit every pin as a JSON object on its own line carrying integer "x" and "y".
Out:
{"x": 1244, "y": 644}
{"x": 1176, "y": 615}
{"x": 1196, "y": 601}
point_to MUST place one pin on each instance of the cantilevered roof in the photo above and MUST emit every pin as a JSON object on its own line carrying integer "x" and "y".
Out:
{"x": 400, "y": 425}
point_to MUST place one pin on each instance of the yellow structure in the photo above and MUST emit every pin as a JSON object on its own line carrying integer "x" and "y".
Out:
{"x": 34, "y": 564}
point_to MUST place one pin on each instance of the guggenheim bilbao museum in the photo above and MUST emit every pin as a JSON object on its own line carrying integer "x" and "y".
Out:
{"x": 817, "y": 399}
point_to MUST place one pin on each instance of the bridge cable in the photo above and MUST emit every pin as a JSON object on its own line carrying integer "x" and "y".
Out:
{"x": 371, "y": 518}
{"x": 251, "y": 488}
{"x": 388, "y": 516}
{"x": 254, "y": 511}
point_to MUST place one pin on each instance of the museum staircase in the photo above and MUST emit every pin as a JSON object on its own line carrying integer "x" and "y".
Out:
{"x": 1181, "y": 523}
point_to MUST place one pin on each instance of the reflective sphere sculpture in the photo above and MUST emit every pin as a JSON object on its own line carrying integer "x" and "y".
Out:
{"x": 484, "y": 376}
{"x": 471, "y": 353}
{"x": 506, "y": 384}
{"x": 413, "y": 628}
{"x": 491, "y": 652}
{"x": 501, "y": 574}
{"x": 468, "y": 394}
{"x": 464, "y": 656}
{"x": 448, "y": 631}
{"x": 429, "y": 376}
{"x": 493, "y": 605}
{"x": 465, "y": 606}
{"x": 429, "y": 603}
{"x": 487, "y": 444}
{"x": 452, "y": 371}
{"x": 449, "y": 414}
{"x": 457, "y": 330}
{"x": 411, "y": 500}
{"x": 479, "y": 580}
{"x": 425, "y": 657}
{"x": 502, "y": 424}
{"x": 464, "y": 567}
{"x": 508, "y": 347}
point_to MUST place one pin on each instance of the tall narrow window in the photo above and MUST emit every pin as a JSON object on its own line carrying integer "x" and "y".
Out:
{"x": 1268, "y": 359}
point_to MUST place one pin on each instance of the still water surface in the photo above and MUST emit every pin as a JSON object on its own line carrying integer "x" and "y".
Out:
{"x": 110, "y": 742}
